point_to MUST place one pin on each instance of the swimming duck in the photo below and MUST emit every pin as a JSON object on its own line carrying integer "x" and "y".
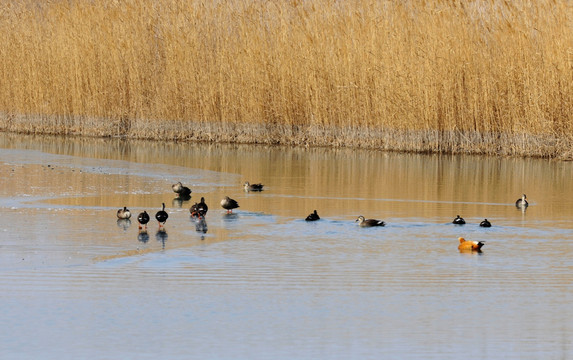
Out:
{"x": 182, "y": 191}
{"x": 143, "y": 219}
{"x": 229, "y": 204}
{"x": 522, "y": 203}
{"x": 123, "y": 213}
{"x": 253, "y": 187}
{"x": 161, "y": 216}
{"x": 459, "y": 220}
{"x": 485, "y": 223}
{"x": 467, "y": 245}
{"x": 313, "y": 216}
{"x": 369, "y": 222}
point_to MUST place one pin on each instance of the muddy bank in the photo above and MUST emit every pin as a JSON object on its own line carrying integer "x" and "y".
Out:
{"x": 418, "y": 141}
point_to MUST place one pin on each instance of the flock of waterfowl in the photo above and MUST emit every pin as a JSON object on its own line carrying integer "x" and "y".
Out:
{"x": 199, "y": 211}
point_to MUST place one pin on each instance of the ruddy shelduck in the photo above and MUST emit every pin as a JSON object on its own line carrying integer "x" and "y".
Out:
{"x": 467, "y": 245}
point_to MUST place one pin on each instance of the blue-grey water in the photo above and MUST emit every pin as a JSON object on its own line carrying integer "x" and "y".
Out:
{"x": 76, "y": 283}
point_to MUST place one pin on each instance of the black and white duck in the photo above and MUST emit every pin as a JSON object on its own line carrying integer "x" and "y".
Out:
{"x": 459, "y": 220}
{"x": 161, "y": 216}
{"x": 313, "y": 216}
{"x": 485, "y": 223}
{"x": 199, "y": 210}
{"x": 202, "y": 208}
{"x": 143, "y": 219}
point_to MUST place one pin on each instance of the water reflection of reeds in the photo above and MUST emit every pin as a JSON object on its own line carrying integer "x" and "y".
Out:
{"x": 337, "y": 182}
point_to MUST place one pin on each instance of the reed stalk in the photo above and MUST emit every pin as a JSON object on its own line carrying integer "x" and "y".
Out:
{"x": 487, "y": 76}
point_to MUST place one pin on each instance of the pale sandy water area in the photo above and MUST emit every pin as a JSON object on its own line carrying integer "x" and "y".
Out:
{"x": 263, "y": 283}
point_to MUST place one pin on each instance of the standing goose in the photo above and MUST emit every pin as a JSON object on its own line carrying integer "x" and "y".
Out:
{"x": 369, "y": 222}
{"x": 467, "y": 245}
{"x": 313, "y": 216}
{"x": 161, "y": 216}
{"x": 522, "y": 203}
{"x": 485, "y": 223}
{"x": 253, "y": 187}
{"x": 123, "y": 213}
{"x": 143, "y": 219}
{"x": 459, "y": 220}
{"x": 229, "y": 204}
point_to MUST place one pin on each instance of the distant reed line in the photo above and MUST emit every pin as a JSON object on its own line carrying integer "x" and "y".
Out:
{"x": 493, "y": 77}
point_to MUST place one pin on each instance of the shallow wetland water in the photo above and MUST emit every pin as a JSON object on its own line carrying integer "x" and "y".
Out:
{"x": 262, "y": 283}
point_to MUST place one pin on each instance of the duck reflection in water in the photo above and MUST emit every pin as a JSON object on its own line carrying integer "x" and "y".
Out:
{"x": 143, "y": 236}
{"x": 161, "y": 236}
{"x": 178, "y": 201}
{"x": 201, "y": 225}
{"x": 232, "y": 217}
{"x": 123, "y": 224}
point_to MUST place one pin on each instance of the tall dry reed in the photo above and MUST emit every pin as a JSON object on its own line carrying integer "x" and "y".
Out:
{"x": 482, "y": 76}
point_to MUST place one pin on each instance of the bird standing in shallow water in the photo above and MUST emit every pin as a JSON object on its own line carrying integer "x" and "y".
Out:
{"x": 253, "y": 187}
{"x": 229, "y": 204}
{"x": 313, "y": 216}
{"x": 369, "y": 222}
{"x": 522, "y": 203}
{"x": 143, "y": 219}
{"x": 199, "y": 209}
{"x": 485, "y": 223}
{"x": 123, "y": 213}
{"x": 193, "y": 210}
{"x": 182, "y": 191}
{"x": 459, "y": 220}
{"x": 161, "y": 216}
{"x": 202, "y": 208}
{"x": 467, "y": 245}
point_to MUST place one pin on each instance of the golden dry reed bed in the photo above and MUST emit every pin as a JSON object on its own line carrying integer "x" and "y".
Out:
{"x": 492, "y": 77}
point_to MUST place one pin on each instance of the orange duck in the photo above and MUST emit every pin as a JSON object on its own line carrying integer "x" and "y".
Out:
{"x": 466, "y": 245}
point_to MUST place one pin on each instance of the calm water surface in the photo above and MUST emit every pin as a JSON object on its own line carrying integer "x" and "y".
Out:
{"x": 263, "y": 283}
